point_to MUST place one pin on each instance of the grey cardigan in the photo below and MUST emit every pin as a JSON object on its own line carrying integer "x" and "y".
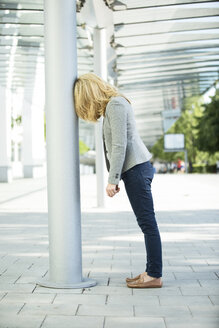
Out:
{"x": 123, "y": 147}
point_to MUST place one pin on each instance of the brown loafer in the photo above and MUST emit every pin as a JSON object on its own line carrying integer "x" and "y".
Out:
{"x": 140, "y": 283}
{"x": 136, "y": 278}
{"x": 133, "y": 279}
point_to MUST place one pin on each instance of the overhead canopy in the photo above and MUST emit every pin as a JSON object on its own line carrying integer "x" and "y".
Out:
{"x": 165, "y": 50}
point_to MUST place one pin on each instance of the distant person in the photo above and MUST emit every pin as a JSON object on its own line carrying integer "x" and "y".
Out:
{"x": 182, "y": 166}
{"x": 190, "y": 166}
{"x": 154, "y": 168}
{"x": 178, "y": 165}
{"x": 174, "y": 167}
{"x": 127, "y": 158}
{"x": 217, "y": 166}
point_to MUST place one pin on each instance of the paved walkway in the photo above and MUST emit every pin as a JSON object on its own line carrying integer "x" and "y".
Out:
{"x": 187, "y": 209}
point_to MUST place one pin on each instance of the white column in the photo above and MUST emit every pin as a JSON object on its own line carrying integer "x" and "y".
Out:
{"x": 63, "y": 175}
{"x": 33, "y": 145}
{"x": 5, "y": 135}
{"x": 100, "y": 68}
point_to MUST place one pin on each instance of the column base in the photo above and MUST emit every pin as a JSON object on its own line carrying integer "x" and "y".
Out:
{"x": 34, "y": 171}
{"x": 85, "y": 283}
{"x": 6, "y": 174}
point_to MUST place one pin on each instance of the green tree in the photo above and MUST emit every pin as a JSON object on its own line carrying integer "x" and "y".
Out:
{"x": 18, "y": 121}
{"x": 208, "y": 126}
{"x": 187, "y": 123}
{"x": 191, "y": 111}
{"x": 192, "y": 123}
{"x": 83, "y": 148}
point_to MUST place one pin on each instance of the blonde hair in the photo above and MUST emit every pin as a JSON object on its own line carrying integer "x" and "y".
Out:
{"x": 91, "y": 95}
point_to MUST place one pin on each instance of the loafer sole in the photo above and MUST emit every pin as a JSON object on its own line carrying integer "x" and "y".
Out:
{"x": 147, "y": 284}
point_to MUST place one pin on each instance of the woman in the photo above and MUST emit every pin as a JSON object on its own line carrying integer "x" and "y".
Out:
{"x": 127, "y": 158}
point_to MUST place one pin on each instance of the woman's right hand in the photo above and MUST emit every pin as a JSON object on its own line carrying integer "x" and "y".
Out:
{"x": 112, "y": 189}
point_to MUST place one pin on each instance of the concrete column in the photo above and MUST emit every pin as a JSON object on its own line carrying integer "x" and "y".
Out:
{"x": 63, "y": 175}
{"x": 100, "y": 68}
{"x": 5, "y": 135}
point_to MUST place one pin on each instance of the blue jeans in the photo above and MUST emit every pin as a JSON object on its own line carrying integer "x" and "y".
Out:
{"x": 137, "y": 181}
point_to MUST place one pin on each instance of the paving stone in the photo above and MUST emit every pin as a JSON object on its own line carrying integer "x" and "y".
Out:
{"x": 209, "y": 322}
{"x": 28, "y": 298}
{"x": 2, "y": 295}
{"x": 25, "y": 279}
{"x": 137, "y": 322}
{"x": 8, "y": 279}
{"x": 196, "y": 275}
{"x": 45, "y": 290}
{"x": 210, "y": 283}
{"x": 113, "y": 282}
{"x": 17, "y": 321}
{"x": 120, "y": 269}
{"x": 204, "y": 310}
{"x": 80, "y": 299}
{"x": 205, "y": 268}
{"x": 133, "y": 299}
{"x": 98, "y": 269}
{"x": 166, "y": 275}
{"x": 180, "y": 283}
{"x": 200, "y": 291}
{"x": 10, "y": 308}
{"x": 177, "y": 268}
{"x": 44, "y": 309}
{"x": 213, "y": 261}
{"x": 108, "y": 290}
{"x": 184, "y": 262}
{"x": 111, "y": 252}
{"x": 121, "y": 275}
{"x": 157, "y": 291}
{"x": 35, "y": 272}
{"x": 21, "y": 288}
{"x": 106, "y": 310}
{"x": 73, "y": 321}
{"x": 184, "y": 300}
{"x": 15, "y": 270}
{"x": 102, "y": 281}
{"x": 214, "y": 299}
{"x": 162, "y": 311}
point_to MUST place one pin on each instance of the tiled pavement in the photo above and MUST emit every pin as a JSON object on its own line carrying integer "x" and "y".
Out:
{"x": 187, "y": 208}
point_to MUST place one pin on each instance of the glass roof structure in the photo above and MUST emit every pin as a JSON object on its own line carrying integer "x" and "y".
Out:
{"x": 164, "y": 51}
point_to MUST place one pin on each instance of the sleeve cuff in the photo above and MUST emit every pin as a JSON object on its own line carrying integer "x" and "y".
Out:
{"x": 114, "y": 181}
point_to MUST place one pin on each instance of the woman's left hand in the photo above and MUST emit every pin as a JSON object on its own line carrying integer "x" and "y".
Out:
{"x": 111, "y": 189}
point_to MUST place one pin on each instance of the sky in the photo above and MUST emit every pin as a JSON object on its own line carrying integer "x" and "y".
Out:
{"x": 210, "y": 92}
